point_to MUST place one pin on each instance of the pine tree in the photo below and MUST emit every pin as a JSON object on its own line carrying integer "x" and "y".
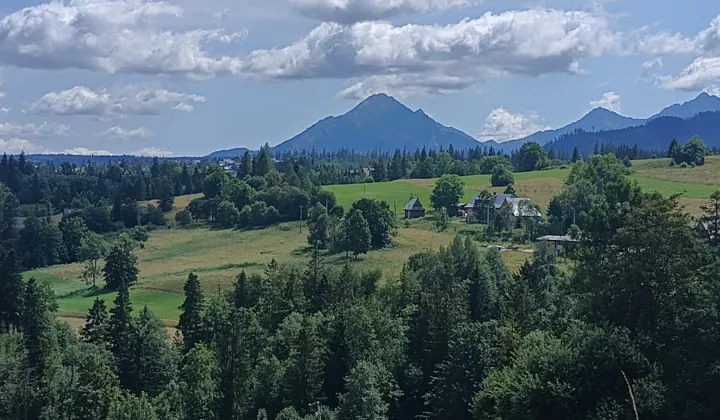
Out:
{"x": 121, "y": 330}
{"x": 120, "y": 267}
{"x": 11, "y": 291}
{"x": 576, "y": 155}
{"x": 247, "y": 291}
{"x": 191, "y": 322}
{"x": 246, "y": 167}
{"x": 474, "y": 350}
{"x": 40, "y": 343}
{"x": 674, "y": 150}
{"x": 131, "y": 407}
{"x": 198, "y": 384}
{"x": 153, "y": 362}
{"x": 364, "y": 399}
{"x": 96, "y": 326}
{"x": 305, "y": 358}
{"x": 95, "y": 384}
{"x": 357, "y": 234}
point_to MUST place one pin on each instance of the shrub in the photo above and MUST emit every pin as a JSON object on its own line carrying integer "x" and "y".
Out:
{"x": 183, "y": 218}
{"x": 501, "y": 177}
{"x": 227, "y": 214}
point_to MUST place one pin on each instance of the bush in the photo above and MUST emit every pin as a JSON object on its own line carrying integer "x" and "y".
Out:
{"x": 258, "y": 214}
{"x": 227, "y": 214}
{"x": 684, "y": 165}
{"x": 501, "y": 177}
{"x": 152, "y": 215}
{"x": 183, "y": 218}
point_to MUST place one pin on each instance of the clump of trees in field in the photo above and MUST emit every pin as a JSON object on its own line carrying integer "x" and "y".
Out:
{"x": 262, "y": 197}
{"x": 369, "y": 224}
{"x": 692, "y": 153}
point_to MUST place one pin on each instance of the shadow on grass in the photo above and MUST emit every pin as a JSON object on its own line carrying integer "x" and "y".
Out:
{"x": 86, "y": 292}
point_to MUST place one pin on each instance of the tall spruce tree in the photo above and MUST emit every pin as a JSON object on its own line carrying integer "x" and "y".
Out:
{"x": 153, "y": 361}
{"x": 191, "y": 318}
{"x": 40, "y": 344}
{"x": 120, "y": 267}
{"x": 199, "y": 384}
{"x": 11, "y": 291}
{"x": 121, "y": 329}
{"x": 96, "y": 328}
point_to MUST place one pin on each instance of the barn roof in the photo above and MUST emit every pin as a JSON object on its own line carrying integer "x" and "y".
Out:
{"x": 498, "y": 200}
{"x": 413, "y": 204}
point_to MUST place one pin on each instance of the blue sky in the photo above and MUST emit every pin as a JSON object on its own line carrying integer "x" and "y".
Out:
{"x": 183, "y": 77}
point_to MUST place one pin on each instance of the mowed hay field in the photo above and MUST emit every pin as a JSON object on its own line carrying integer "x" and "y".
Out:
{"x": 217, "y": 256}
{"x": 694, "y": 184}
{"x": 540, "y": 186}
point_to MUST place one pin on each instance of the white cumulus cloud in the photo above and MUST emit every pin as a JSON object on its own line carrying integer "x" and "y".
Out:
{"x": 111, "y": 36}
{"x": 34, "y": 130}
{"x": 122, "y": 101}
{"x": 84, "y": 151}
{"x": 704, "y": 48}
{"x": 609, "y": 101}
{"x": 503, "y": 125}
{"x": 530, "y": 42}
{"x": 152, "y": 152}
{"x": 121, "y": 133}
{"x": 351, "y": 11}
{"x": 16, "y": 145}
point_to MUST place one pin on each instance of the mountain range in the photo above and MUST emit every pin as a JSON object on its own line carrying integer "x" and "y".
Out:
{"x": 380, "y": 122}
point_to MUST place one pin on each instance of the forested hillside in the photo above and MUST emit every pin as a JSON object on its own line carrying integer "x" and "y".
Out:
{"x": 625, "y": 325}
{"x": 655, "y": 134}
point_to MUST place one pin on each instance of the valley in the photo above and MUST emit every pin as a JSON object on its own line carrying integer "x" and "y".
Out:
{"x": 217, "y": 256}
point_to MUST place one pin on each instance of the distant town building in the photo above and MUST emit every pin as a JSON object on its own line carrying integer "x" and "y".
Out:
{"x": 414, "y": 209}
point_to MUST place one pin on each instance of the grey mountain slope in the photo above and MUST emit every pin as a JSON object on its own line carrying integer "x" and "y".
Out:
{"x": 702, "y": 103}
{"x": 599, "y": 119}
{"x": 378, "y": 123}
{"x": 227, "y": 154}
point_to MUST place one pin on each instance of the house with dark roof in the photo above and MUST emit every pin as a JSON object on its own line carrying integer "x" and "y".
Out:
{"x": 414, "y": 209}
{"x": 707, "y": 227}
{"x": 518, "y": 207}
{"x": 558, "y": 243}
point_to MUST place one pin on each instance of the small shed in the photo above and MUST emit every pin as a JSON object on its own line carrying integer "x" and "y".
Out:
{"x": 414, "y": 209}
{"x": 557, "y": 242}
